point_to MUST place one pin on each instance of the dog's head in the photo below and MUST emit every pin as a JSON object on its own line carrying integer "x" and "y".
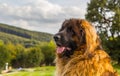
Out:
{"x": 73, "y": 34}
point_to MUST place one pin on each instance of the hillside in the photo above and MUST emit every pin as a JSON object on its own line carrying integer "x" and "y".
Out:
{"x": 19, "y": 35}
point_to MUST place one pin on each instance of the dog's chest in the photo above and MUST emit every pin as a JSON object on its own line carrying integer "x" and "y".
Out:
{"x": 79, "y": 66}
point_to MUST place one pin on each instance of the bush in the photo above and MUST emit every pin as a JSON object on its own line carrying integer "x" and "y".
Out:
{"x": 48, "y": 49}
{"x": 19, "y": 56}
{"x": 34, "y": 57}
{"x": 27, "y": 57}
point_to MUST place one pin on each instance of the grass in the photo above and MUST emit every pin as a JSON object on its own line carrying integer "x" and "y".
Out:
{"x": 41, "y": 71}
{"x": 117, "y": 67}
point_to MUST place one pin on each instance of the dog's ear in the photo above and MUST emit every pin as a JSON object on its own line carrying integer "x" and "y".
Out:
{"x": 92, "y": 39}
{"x": 82, "y": 36}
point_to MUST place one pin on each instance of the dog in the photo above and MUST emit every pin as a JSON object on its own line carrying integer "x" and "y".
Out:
{"x": 79, "y": 51}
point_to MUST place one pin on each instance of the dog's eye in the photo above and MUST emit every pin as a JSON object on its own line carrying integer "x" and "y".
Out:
{"x": 81, "y": 30}
{"x": 70, "y": 30}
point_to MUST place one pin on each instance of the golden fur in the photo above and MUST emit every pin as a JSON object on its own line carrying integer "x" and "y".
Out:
{"x": 86, "y": 60}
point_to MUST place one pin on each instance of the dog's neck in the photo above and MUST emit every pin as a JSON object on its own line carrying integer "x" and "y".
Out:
{"x": 61, "y": 62}
{"x": 65, "y": 59}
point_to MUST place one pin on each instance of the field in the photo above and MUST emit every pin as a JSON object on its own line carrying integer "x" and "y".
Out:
{"x": 41, "y": 71}
{"x": 117, "y": 67}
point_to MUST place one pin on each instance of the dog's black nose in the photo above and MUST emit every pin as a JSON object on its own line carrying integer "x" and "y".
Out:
{"x": 57, "y": 37}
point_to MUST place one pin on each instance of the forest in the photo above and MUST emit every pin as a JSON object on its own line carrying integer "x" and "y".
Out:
{"x": 23, "y": 48}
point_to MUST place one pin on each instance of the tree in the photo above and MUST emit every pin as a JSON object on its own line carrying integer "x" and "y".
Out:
{"x": 34, "y": 57}
{"x": 48, "y": 49}
{"x": 19, "y": 57}
{"x": 12, "y": 49}
{"x": 105, "y": 15}
{"x": 5, "y": 56}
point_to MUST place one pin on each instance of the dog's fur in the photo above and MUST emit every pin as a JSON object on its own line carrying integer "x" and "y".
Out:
{"x": 85, "y": 56}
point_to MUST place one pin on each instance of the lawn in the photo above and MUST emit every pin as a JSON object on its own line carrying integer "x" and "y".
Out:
{"x": 41, "y": 71}
{"x": 117, "y": 67}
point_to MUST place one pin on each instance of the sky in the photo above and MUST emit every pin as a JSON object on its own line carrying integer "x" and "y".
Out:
{"x": 41, "y": 15}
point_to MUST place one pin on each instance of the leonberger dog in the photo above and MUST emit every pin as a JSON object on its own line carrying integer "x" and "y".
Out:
{"x": 79, "y": 52}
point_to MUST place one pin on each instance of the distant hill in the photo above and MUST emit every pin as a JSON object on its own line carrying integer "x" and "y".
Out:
{"x": 18, "y": 35}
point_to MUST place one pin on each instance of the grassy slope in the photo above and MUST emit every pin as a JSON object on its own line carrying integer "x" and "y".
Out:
{"x": 10, "y": 37}
{"x": 42, "y": 71}
{"x": 23, "y": 33}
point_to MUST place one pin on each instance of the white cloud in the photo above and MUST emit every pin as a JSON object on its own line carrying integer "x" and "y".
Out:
{"x": 38, "y": 14}
{"x": 21, "y": 23}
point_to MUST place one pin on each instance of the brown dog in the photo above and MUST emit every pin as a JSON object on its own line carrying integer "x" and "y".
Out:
{"x": 79, "y": 52}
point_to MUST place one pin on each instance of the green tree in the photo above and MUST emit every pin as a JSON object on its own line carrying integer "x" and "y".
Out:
{"x": 34, "y": 57}
{"x": 105, "y": 15}
{"x": 20, "y": 56}
{"x": 48, "y": 49}
{"x": 5, "y": 56}
{"x": 12, "y": 49}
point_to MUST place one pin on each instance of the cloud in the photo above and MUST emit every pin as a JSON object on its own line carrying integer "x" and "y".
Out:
{"x": 38, "y": 15}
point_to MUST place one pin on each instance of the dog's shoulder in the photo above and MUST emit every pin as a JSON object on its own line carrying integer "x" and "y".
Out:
{"x": 97, "y": 65}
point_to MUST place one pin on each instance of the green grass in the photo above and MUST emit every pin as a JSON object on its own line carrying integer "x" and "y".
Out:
{"x": 39, "y": 71}
{"x": 117, "y": 67}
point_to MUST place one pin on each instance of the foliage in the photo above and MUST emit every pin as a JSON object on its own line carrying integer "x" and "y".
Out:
{"x": 27, "y": 57}
{"x": 12, "y": 49}
{"x": 5, "y": 56}
{"x": 19, "y": 59}
{"x": 48, "y": 49}
{"x": 105, "y": 15}
{"x": 23, "y": 48}
{"x": 34, "y": 57}
{"x": 19, "y": 56}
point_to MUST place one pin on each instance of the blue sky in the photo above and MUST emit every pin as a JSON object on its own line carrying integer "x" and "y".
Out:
{"x": 41, "y": 15}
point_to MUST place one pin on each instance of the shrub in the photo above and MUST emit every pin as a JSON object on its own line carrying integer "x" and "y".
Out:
{"x": 34, "y": 57}
{"x": 48, "y": 49}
